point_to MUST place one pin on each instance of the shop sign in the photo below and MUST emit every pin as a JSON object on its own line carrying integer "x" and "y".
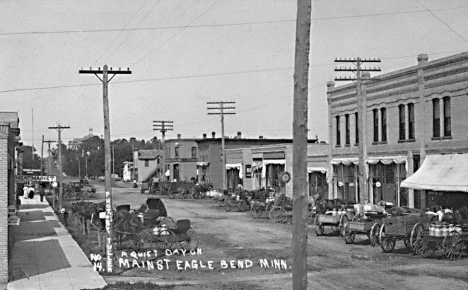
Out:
{"x": 248, "y": 171}
{"x": 273, "y": 155}
{"x": 13, "y": 220}
{"x": 11, "y": 210}
{"x": 38, "y": 178}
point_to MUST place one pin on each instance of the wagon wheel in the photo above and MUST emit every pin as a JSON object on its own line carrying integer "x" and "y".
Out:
{"x": 165, "y": 240}
{"x": 242, "y": 206}
{"x": 256, "y": 211}
{"x": 387, "y": 243}
{"x": 348, "y": 234}
{"x": 422, "y": 247}
{"x": 144, "y": 240}
{"x": 343, "y": 220}
{"x": 417, "y": 228}
{"x": 453, "y": 246}
{"x": 374, "y": 234}
{"x": 228, "y": 205}
{"x": 318, "y": 227}
{"x": 191, "y": 243}
{"x": 172, "y": 194}
{"x": 279, "y": 215}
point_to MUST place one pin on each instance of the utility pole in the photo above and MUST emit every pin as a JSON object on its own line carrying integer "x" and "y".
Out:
{"x": 300, "y": 129}
{"x": 222, "y": 112}
{"x": 59, "y": 129}
{"x": 42, "y": 155}
{"x": 362, "y": 126}
{"x": 163, "y": 127}
{"x": 107, "y": 152}
{"x": 50, "y": 169}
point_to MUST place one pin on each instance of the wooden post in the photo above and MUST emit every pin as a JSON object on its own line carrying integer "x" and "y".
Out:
{"x": 300, "y": 200}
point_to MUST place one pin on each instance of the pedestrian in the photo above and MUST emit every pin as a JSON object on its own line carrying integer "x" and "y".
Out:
{"x": 41, "y": 193}
{"x": 25, "y": 191}
{"x": 31, "y": 192}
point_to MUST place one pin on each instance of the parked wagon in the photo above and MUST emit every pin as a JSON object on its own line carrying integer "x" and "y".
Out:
{"x": 336, "y": 220}
{"x": 240, "y": 200}
{"x": 182, "y": 189}
{"x": 368, "y": 223}
{"x": 452, "y": 240}
{"x": 405, "y": 228}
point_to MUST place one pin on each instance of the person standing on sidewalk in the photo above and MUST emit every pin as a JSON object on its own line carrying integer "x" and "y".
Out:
{"x": 31, "y": 192}
{"x": 25, "y": 191}
{"x": 41, "y": 192}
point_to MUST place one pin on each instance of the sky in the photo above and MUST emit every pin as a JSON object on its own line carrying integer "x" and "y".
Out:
{"x": 185, "y": 53}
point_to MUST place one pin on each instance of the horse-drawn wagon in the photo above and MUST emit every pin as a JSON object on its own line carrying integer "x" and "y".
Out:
{"x": 332, "y": 213}
{"x": 367, "y": 220}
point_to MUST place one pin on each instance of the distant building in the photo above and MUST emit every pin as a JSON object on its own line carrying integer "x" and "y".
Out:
{"x": 9, "y": 141}
{"x": 147, "y": 164}
{"x": 76, "y": 142}
{"x": 256, "y": 167}
{"x": 181, "y": 158}
{"x": 414, "y": 118}
{"x": 127, "y": 171}
{"x": 210, "y": 164}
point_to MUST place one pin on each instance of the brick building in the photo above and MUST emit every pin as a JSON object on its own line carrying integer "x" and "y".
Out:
{"x": 257, "y": 167}
{"x": 210, "y": 163}
{"x": 181, "y": 158}
{"x": 410, "y": 114}
{"x": 9, "y": 138}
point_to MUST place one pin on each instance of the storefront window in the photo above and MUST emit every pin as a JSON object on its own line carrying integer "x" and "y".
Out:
{"x": 318, "y": 184}
{"x": 345, "y": 180}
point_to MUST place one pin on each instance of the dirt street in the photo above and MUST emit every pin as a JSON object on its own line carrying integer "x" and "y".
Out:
{"x": 236, "y": 236}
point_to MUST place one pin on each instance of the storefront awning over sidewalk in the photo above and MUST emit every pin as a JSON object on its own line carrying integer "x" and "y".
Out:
{"x": 201, "y": 164}
{"x": 316, "y": 169}
{"x": 441, "y": 173}
{"x": 234, "y": 166}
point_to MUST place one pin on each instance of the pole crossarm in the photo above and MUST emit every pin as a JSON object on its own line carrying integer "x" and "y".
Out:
{"x": 220, "y": 105}
{"x": 101, "y": 71}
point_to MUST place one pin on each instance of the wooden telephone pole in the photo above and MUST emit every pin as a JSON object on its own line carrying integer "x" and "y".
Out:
{"x": 222, "y": 112}
{"x": 362, "y": 124}
{"x": 49, "y": 172}
{"x": 107, "y": 152}
{"x": 59, "y": 130}
{"x": 163, "y": 127}
{"x": 300, "y": 114}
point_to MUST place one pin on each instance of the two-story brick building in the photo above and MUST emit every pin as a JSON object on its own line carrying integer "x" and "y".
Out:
{"x": 210, "y": 163}
{"x": 261, "y": 166}
{"x": 181, "y": 157}
{"x": 9, "y": 138}
{"x": 413, "y": 117}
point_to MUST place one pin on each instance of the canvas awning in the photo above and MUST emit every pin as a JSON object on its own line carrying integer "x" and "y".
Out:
{"x": 201, "y": 164}
{"x": 387, "y": 159}
{"x": 274, "y": 161}
{"x": 233, "y": 166}
{"x": 317, "y": 169}
{"x": 345, "y": 161}
{"x": 441, "y": 173}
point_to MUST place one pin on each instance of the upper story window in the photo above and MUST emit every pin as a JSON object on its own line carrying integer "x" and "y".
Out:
{"x": 176, "y": 151}
{"x": 447, "y": 118}
{"x": 436, "y": 118}
{"x": 411, "y": 121}
{"x": 146, "y": 163}
{"x": 356, "y": 118}
{"x": 338, "y": 132}
{"x": 168, "y": 152}
{"x": 376, "y": 124}
{"x": 402, "y": 131}
{"x": 194, "y": 152}
{"x": 383, "y": 124}
{"x": 347, "y": 130}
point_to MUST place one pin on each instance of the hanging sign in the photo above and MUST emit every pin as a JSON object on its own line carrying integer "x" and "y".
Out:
{"x": 39, "y": 178}
{"x": 285, "y": 177}
{"x": 13, "y": 220}
{"x": 248, "y": 171}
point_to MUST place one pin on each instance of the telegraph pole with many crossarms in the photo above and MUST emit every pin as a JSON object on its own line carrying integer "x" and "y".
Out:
{"x": 59, "y": 130}
{"x": 362, "y": 124}
{"x": 163, "y": 127}
{"x": 222, "y": 112}
{"x": 107, "y": 152}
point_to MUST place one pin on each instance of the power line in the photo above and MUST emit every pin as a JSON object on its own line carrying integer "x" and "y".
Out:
{"x": 448, "y": 26}
{"x": 218, "y": 25}
{"x": 209, "y": 8}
